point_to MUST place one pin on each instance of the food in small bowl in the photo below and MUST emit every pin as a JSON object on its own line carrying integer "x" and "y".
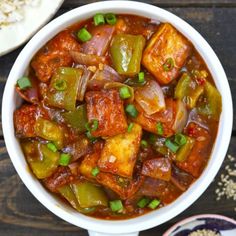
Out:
{"x": 119, "y": 117}
{"x": 140, "y": 112}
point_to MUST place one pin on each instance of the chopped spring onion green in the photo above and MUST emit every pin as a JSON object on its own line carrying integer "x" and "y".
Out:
{"x": 84, "y": 35}
{"x": 144, "y": 143}
{"x": 116, "y": 205}
{"x": 52, "y": 147}
{"x": 154, "y": 203}
{"x": 159, "y": 127}
{"x": 60, "y": 85}
{"x": 24, "y": 83}
{"x": 169, "y": 64}
{"x": 124, "y": 92}
{"x": 92, "y": 125}
{"x": 99, "y": 19}
{"x": 141, "y": 77}
{"x": 64, "y": 159}
{"x": 180, "y": 139}
{"x": 171, "y": 145}
{"x": 95, "y": 171}
{"x": 143, "y": 202}
{"x": 110, "y": 18}
{"x": 131, "y": 125}
{"x": 131, "y": 110}
{"x": 90, "y": 136}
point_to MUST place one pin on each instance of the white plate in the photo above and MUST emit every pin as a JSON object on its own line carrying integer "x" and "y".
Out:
{"x": 13, "y": 35}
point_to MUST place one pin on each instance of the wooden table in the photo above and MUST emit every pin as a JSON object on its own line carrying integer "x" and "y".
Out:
{"x": 22, "y": 215}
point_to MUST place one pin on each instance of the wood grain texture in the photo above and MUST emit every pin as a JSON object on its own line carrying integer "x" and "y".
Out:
{"x": 22, "y": 215}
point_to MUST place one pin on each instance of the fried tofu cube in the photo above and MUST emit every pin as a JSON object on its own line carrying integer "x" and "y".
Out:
{"x": 90, "y": 161}
{"x": 87, "y": 165}
{"x": 166, "y": 53}
{"x": 54, "y": 54}
{"x": 107, "y": 108}
{"x": 125, "y": 188}
{"x": 120, "y": 152}
{"x": 198, "y": 157}
{"x": 149, "y": 122}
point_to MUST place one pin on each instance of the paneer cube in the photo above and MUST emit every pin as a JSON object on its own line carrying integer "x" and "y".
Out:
{"x": 200, "y": 152}
{"x": 166, "y": 118}
{"x": 107, "y": 108}
{"x": 120, "y": 152}
{"x": 125, "y": 188}
{"x": 166, "y": 53}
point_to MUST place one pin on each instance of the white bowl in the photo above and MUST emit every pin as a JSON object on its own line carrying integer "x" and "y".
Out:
{"x": 154, "y": 218}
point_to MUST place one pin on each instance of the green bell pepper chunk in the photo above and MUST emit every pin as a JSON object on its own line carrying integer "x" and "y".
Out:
{"x": 188, "y": 90}
{"x": 89, "y": 195}
{"x": 50, "y": 131}
{"x": 67, "y": 192}
{"x": 63, "y": 88}
{"x": 126, "y": 53}
{"x": 77, "y": 118}
{"x": 42, "y": 160}
{"x": 213, "y": 106}
{"x": 185, "y": 150}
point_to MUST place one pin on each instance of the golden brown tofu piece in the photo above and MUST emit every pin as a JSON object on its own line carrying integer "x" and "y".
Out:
{"x": 125, "y": 188}
{"x": 106, "y": 106}
{"x": 90, "y": 161}
{"x": 54, "y": 55}
{"x": 158, "y": 168}
{"x": 166, "y": 45}
{"x": 120, "y": 152}
{"x": 198, "y": 157}
{"x": 167, "y": 117}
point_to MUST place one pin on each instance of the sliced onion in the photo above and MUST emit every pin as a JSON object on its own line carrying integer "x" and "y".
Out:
{"x": 87, "y": 59}
{"x": 83, "y": 83}
{"x": 30, "y": 94}
{"x": 100, "y": 41}
{"x": 181, "y": 117}
{"x": 111, "y": 85}
{"x": 101, "y": 77}
{"x": 150, "y": 97}
{"x": 74, "y": 168}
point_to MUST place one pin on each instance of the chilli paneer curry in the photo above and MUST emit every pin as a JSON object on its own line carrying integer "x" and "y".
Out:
{"x": 119, "y": 115}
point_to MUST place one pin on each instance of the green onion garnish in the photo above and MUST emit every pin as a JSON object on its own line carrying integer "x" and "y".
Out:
{"x": 116, "y": 205}
{"x": 143, "y": 202}
{"x": 90, "y": 136}
{"x": 171, "y": 145}
{"x": 60, "y": 85}
{"x": 141, "y": 77}
{"x": 144, "y": 143}
{"x": 99, "y": 19}
{"x": 169, "y": 64}
{"x": 24, "y": 83}
{"x": 92, "y": 125}
{"x": 64, "y": 159}
{"x": 131, "y": 110}
{"x": 131, "y": 125}
{"x": 159, "y": 128}
{"x": 154, "y": 204}
{"x": 124, "y": 92}
{"x": 110, "y": 18}
{"x": 52, "y": 147}
{"x": 95, "y": 171}
{"x": 180, "y": 139}
{"x": 84, "y": 35}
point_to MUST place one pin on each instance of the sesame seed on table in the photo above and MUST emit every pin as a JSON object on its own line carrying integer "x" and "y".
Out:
{"x": 215, "y": 20}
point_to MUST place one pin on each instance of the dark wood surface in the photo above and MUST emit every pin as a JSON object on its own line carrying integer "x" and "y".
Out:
{"x": 22, "y": 215}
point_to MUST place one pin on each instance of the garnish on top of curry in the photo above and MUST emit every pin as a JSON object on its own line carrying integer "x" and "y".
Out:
{"x": 119, "y": 115}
